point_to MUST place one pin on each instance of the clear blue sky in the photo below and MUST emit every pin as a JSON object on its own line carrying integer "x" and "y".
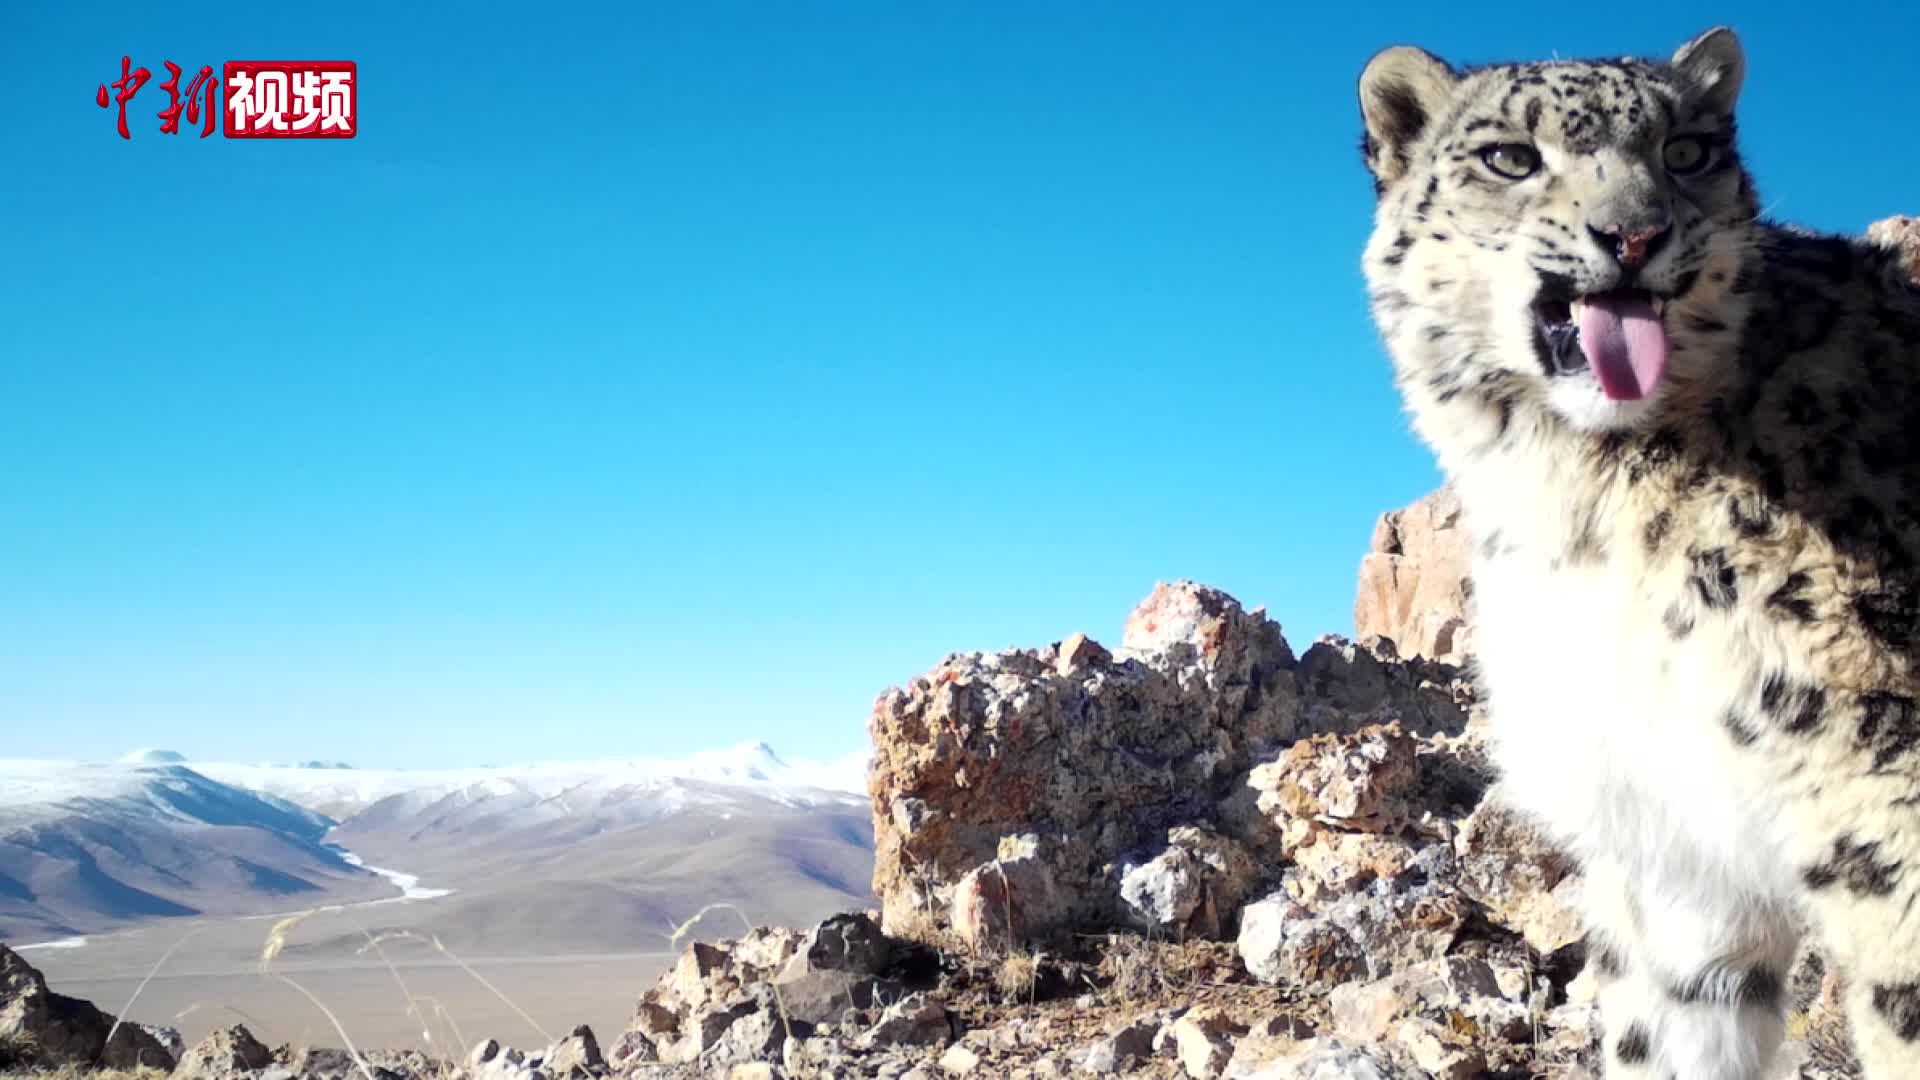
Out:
{"x": 646, "y": 377}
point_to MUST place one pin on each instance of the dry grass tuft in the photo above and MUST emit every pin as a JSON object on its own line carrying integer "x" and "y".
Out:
{"x": 1017, "y": 974}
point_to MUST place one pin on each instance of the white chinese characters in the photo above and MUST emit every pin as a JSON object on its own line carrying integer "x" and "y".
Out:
{"x": 291, "y": 99}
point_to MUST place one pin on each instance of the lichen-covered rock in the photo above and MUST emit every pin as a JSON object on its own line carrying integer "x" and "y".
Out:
{"x": 1090, "y": 762}
{"x": 1449, "y": 990}
{"x": 1332, "y": 1059}
{"x": 1095, "y": 755}
{"x": 1415, "y": 582}
{"x": 1193, "y": 886}
{"x": 1282, "y": 942}
{"x": 1522, "y": 881}
{"x": 1354, "y": 782}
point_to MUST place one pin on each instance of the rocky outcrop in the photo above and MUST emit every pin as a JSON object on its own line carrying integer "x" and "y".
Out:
{"x": 1021, "y": 792}
{"x": 1415, "y": 583}
{"x": 1901, "y": 233}
{"x": 41, "y": 1028}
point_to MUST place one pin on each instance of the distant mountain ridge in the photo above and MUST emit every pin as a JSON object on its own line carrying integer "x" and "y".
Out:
{"x": 91, "y": 847}
{"x": 85, "y": 848}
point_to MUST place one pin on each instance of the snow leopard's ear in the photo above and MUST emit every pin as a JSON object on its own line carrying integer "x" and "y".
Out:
{"x": 1715, "y": 64}
{"x": 1402, "y": 91}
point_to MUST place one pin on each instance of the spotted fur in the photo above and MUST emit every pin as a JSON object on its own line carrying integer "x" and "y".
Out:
{"x": 1699, "y": 611}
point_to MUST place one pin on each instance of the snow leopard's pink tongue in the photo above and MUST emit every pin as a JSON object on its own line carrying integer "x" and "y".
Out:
{"x": 1625, "y": 343}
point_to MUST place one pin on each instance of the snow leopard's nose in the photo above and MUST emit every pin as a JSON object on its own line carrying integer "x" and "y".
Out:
{"x": 1633, "y": 245}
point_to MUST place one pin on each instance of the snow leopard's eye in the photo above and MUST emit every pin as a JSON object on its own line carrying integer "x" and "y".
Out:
{"x": 1515, "y": 161}
{"x": 1687, "y": 154}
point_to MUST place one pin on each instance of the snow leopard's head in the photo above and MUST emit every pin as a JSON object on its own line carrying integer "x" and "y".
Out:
{"x": 1543, "y": 229}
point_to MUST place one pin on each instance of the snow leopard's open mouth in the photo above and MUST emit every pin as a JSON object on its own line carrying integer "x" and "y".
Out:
{"x": 1620, "y": 336}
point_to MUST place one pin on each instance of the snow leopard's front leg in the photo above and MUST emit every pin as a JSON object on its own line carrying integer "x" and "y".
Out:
{"x": 1693, "y": 981}
{"x": 1865, "y": 898}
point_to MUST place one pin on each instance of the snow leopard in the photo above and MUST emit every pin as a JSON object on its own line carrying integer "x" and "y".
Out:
{"x": 1686, "y": 441}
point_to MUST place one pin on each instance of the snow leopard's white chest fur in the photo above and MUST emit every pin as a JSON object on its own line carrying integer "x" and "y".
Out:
{"x": 1607, "y": 729}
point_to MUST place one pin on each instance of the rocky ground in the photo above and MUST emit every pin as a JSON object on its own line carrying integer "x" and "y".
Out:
{"x": 1195, "y": 855}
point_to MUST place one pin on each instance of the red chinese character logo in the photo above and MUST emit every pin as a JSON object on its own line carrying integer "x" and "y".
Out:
{"x": 291, "y": 99}
{"x": 128, "y": 85}
{"x": 170, "y": 116}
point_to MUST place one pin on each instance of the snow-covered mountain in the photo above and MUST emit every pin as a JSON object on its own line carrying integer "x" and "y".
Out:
{"x": 750, "y": 768}
{"x": 86, "y": 847}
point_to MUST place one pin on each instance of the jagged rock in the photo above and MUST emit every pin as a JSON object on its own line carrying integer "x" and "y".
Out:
{"x": 1332, "y": 1059}
{"x": 759, "y": 1035}
{"x": 1346, "y": 685}
{"x": 1447, "y": 990}
{"x": 837, "y": 968}
{"x": 851, "y": 943}
{"x": 704, "y": 1028}
{"x": 655, "y": 1021}
{"x": 575, "y": 1057}
{"x": 1009, "y": 899}
{"x": 1280, "y": 941}
{"x": 169, "y": 1039}
{"x": 1164, "y": 892}
{"x": 823, "y": 997}
{"x": 755, "y": 1070}
{"x": 1203, "y": 1040}
{"x": 1901, "y": 233}
{"x": 1272, "y": 1040}
{"x": 1442, "y": 1052}
{"x": 228, "y": 1054}
{"x": 60, "y": 1030}
{"x": 1122, "y": 1050}
{"x": 326, "y": 1063}
{"x": 1328, "y": 865}
{"x": 1414, "y": 583}
{"x": 1094, "y": 755}
{"x": 483, "y": 1053}
{"x": 1352, "y": 782}
{"x": 1522, "y": 881}
{"x": 632, "y": 1048}
{"x": 1192, "y": 887}
{"x": 916, "y": 1021}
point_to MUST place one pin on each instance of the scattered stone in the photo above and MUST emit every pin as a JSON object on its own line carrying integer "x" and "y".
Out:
{"x": 575, "y": 1057}
{"x": 632, "y": 1048}
{"x": 1010, "y": 899}
{"x": 1122, "y": 1050}
{"x": 917, "y": 1021}
{"x": 959, "y": 1061}
{"x": 1332, "y": 1059}
{"x": 1281, "y": 941}
{"x": 1203, "y": 1039}
{"x": 1451, "y": 990}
